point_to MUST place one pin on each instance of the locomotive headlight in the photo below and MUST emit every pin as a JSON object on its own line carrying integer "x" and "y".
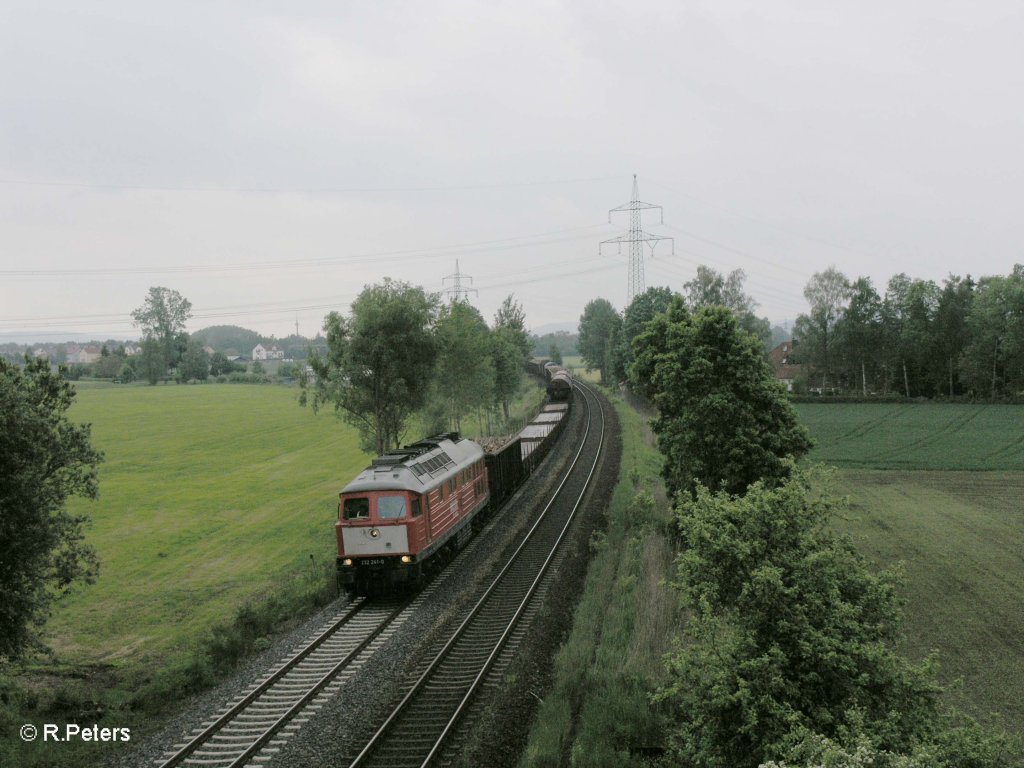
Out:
{"x": 347, "y": 562}
{"x": 406, "y": 559}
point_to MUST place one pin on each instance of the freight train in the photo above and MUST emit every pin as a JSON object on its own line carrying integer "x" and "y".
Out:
{"x": 413, "y": 508}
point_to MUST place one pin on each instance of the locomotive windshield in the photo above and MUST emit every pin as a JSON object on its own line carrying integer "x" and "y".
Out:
{"x": 391, "y": 507}
{"x": 357, "y": 509}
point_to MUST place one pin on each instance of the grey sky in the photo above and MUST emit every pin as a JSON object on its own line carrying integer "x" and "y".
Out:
{"x": 292, "y": 156}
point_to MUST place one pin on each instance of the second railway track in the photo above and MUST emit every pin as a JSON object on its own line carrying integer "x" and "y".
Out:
{"x": 418, "y": 729}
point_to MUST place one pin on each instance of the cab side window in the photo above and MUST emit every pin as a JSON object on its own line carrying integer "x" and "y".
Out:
{"x": 356, "y": 509}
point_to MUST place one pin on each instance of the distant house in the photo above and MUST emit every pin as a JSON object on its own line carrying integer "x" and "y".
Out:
{"x": 131, "y": 350}
{"x": 87, "y": 354}
{"x": 785, "y": 371}
{"x": 273, "y": 352}
{"x": 209, "y": 350}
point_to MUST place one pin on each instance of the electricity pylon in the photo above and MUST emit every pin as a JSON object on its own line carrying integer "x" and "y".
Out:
{"x": 457, "y": 292}
{"x": 636, "y": 237}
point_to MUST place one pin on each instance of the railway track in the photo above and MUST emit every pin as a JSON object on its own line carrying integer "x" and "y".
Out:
{"x": 253, "y": 728}
{"x": 422, "y": 724}
{"x": 249, "y": 728}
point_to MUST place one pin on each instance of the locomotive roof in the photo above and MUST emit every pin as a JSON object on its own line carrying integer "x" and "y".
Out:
{"x": 419, "y": 466}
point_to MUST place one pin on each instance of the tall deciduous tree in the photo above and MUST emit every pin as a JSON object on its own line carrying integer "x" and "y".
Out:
{"x": 723, "y": 420}
{"x": 509, "y": 348}
{"x": 162, "y": 317}
{"x": 951, "y": 325}
{"x": 640, "y": 311}
{"x": 465, "y": 370}
{"x": 827, "y": 293}
{"x": 44, "y": 459}
{"x": 993, "y": 361}
{"x": 600, "y": 324}
{"x": 709, "y": 288}
{"x": 859, "y": 331}
{"x": 379, "y": 362}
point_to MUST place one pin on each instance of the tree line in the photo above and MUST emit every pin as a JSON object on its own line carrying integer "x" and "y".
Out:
{"x": 606, "y": 337}
{"x": 788, "y": 654}
{"x": 964, "y": 337}
{"x": 401, "y": 352}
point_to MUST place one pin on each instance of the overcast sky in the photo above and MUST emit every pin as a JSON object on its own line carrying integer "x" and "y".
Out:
{"x": 268, "y": 162}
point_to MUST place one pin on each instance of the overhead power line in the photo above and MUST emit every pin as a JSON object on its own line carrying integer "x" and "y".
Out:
{"x": 303, "y": 190}
{"x": 499, "y": 244}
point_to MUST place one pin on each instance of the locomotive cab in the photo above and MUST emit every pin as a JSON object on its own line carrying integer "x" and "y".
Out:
{"x": 407, "y": 507}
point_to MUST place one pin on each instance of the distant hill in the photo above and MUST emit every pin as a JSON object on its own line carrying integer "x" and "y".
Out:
{"x": 229, "y": 337}
{"x": 233, "y": 339}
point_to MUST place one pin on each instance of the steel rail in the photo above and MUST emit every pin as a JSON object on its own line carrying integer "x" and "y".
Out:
{"x": 522, "y": 605}
{"x": 254, "y": 694}
{"x": 203, "y": 738}
{"x": 322, "y": 683}
{"x": 382, "y": 731}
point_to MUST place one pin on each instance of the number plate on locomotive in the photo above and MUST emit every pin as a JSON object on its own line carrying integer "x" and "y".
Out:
{"x": 372, "y": 561}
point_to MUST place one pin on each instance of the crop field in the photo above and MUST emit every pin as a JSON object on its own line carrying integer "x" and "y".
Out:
{"x": 940, "y": 490}
{"x": 960, "y": 539}
{"x": 916, "y": 435}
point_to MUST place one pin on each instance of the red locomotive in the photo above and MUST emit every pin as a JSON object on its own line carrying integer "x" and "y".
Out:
{"x": 409, "y": 509}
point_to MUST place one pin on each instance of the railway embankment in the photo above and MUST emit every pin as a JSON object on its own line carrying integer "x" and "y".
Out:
{"x": 582, "y": 692}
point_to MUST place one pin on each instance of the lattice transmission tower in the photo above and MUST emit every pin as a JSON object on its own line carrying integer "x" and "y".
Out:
{"x": 636, "y": 237}
{"x": 456, "y": 291}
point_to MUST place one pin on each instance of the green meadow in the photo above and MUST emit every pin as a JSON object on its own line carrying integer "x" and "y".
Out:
{"x": 210, "y": 497}
{"x": 940, "y": 489}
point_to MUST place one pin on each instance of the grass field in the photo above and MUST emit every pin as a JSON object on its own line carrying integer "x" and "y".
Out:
{"x": 916, "y": 435}
{"x": 209, "y": 496}
{"x": 940, "y": 488}
{"x": 212, "y": 498}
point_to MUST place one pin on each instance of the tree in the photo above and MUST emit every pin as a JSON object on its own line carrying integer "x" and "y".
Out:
{"x": 827, "y": 293}
{"x": 598, "y": 323}
{"x": 859, "y": 331}
{"x": 109, "y": 365}
{"x": 44, "y": 459}
{"x": 379, "y": 362}
{"x": 162, "y": 317}
{"x": 220, "y": 365}
{"x": 510, "y": 346}
{"x": 951, "y": 324}
{"x": 709, "y": 288}
{"x": 723, "y": 420}
{"x": 792, "y": 640}
{"x": 555, "y": 354}
{"x": 640, "y": 311}
{"x": 152, "y": 361}
{"x": 195, "y": 363}
{"x": 464, "y": 370}
{"x": 993, "y": 361}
